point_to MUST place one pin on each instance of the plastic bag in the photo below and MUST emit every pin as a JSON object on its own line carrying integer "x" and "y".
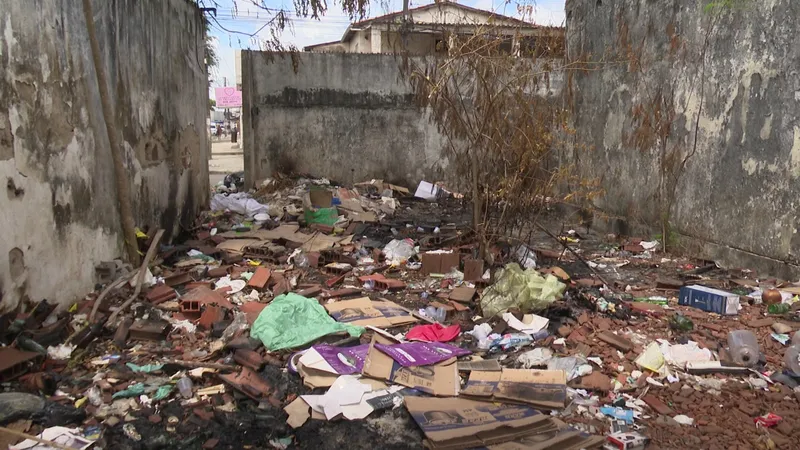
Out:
{"x": 324, "y": 216}
{"x": 526, "y": 290}
{"x": 398, "y": 251}
{"x": 292, "y": 320}
{"x": 240, "y": 203}
{"x": 239, "y": 323}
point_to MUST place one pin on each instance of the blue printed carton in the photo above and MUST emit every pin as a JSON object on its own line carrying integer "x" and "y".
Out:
{"x": 709, "y": 299}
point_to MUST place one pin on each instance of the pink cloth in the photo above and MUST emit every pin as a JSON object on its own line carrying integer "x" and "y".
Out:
{"x": 433, "y": 333}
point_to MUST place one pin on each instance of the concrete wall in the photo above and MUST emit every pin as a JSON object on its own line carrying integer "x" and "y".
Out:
{"x": 348, "y": 117}
{"x": 692, "y": 119}
{"x": 60, "y": 214}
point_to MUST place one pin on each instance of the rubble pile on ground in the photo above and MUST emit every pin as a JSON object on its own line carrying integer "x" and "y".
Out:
{"x": 306, "y": 315}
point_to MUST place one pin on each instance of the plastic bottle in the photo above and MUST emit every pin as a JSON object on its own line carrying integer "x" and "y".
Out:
{"x": 437, "y": 314}
{"x": 792, "y": 356}
{"x": 514, "y": 340}
{"x": 743, "y": 347}
{"x": 185, "y": 387}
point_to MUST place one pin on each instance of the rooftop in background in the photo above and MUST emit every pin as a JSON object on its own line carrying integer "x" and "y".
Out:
{"x": 430, "y": 24}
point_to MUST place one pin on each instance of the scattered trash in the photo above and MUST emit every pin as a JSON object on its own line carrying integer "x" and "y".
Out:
{"x": 292, "y": 320}
{"x": 526, "y": 290}
{"x": 337, "y": 304}
{"x": 709, "y": 299}
{"x": 743, "y": 347}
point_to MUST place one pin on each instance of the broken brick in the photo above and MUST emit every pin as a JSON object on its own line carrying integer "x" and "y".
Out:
{"x": 595, "y": 381}
{"x": 312, "y": 291}
{"x": 150, "y": 330}
{"x": 248, "y": 358}
{"x": 657, "y": 405}
{"x": 161, "y": 294}
{"x": 618, "y": 342}
{"x": 260, "y": 278}
{"x": 211, "y": 315}
{"x": 219, "y": 272}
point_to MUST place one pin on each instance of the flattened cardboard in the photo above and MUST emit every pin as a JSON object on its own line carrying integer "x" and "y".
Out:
{"x": 359, "y": 311}
{"x": 484, "y": 365}
{"x": 438, "y": 379}
{"x": 365, "y": 312}
{"x": 456, "y": 423}
{"x": 463, "y": 294}
{"x": 558, "y": 437}
{"x": 236, "y": 245}
{"x": 395, "y": 313}
{"x": 540, "y": 388}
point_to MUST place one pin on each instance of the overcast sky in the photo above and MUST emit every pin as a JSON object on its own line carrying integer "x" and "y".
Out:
{"x": 241, "y": 16}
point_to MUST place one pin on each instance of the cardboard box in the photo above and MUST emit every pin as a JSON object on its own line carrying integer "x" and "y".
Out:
{"x": 359, "y": 311}
{"x": 436, "y": 262}
{"x": 457, "y": 423}
{"x": 364, "y": 312}
{"x": 320, "y": 198}
{"x": 439, "y": 379}
{"x": 540, "y": 388}
{"x": 395, "y": 313}
{"x": 708, "y": 299}
{"x": 561, "y": 437}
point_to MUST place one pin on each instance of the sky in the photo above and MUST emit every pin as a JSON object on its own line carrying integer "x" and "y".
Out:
{"x": 237, "y": 19}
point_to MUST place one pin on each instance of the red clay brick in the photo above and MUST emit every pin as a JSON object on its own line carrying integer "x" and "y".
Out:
{"x": 260, "y": 278}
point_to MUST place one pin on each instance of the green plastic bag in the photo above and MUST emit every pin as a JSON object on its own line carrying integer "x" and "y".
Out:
{"x": 292, "y": 320}
{"x": 527, "y": 290}
{"x": 325, "y": 216}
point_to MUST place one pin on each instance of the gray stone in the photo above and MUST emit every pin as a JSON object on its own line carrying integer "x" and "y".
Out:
{"x": 18, "y": 405}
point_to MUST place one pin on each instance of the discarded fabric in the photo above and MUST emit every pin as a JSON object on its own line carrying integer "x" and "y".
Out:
{"x": 292, "y": 320}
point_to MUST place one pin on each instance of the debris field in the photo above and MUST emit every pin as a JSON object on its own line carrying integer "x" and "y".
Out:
{"x": 310, "y": 315}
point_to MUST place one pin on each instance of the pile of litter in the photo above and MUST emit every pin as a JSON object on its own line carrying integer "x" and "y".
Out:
{"x": 308, "y": 315}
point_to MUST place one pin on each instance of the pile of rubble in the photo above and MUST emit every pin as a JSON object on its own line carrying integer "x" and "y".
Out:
{"x": 310, "y": 315}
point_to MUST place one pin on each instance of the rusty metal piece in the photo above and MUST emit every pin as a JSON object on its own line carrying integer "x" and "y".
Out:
{"x": 14, "y": 363}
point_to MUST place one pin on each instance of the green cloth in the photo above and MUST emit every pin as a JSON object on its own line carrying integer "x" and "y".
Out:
{"x": 292, "y": 320}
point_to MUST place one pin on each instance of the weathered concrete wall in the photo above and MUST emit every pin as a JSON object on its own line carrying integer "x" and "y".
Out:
{"x": 692, "y": 120}
{"x": 59, "y": 212}
{"x": 349, "y": 117}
